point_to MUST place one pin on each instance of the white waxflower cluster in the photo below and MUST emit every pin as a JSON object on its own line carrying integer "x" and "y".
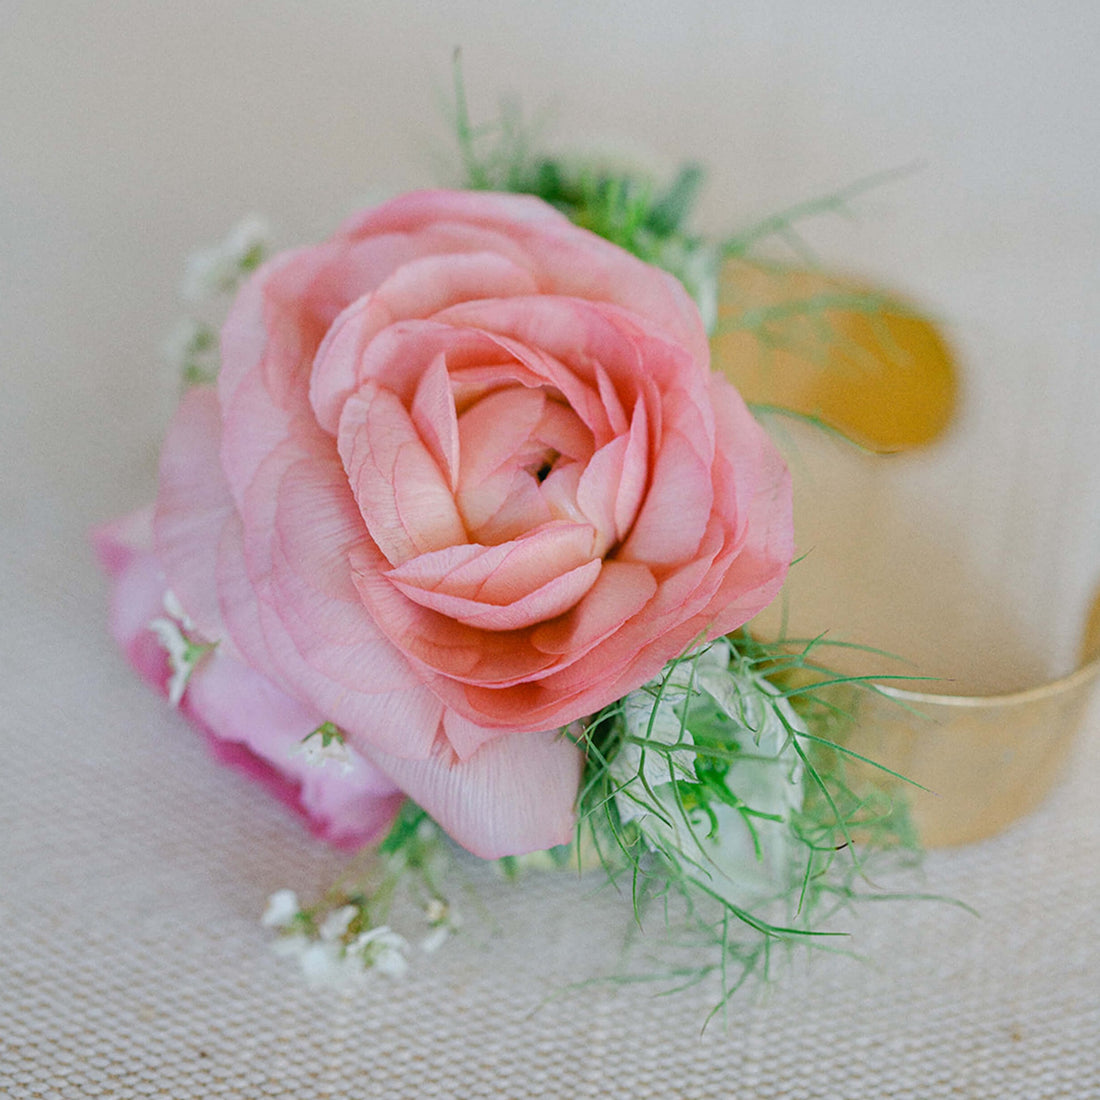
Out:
{"x": 218, "y": 270}
{"x": 332, "y": 956}
{"x": 325, "y": 745}
{"x": 191, "y": 351}
{"x": 174, "y": 631}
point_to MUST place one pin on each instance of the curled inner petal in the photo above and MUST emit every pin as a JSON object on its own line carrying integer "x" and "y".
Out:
{"x": 402, "y": 495}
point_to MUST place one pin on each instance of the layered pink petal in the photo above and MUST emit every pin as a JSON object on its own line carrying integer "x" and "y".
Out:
{"x": 193, "y": 505}
{"x": 564, "y": 259}
{"x": 634, "y": 475}
{"x": 351, "y": 805}
{"x": 411, "y": 212}
{"x": 119, "y": 541}
{"x": 494, "y": 430}
{"x": 372, "y": 700}
{"x": 443, "y": 649}
{"x": 436, "y": 419}
{"x": 250, "y": 723}
{"x": 621, "y": 592}
{"x": 417, "y": 289}
{"x": 505, "y": 572}
{"x": 552, "y": 599}
{"x": 598, "y": 491}
{"x": 402, "y": 495}
{"x": 674, "y": 514}
{"x": 466, "y": 737}
{"x": 514, "y": 795}
{"x": 504, "y": 506}
{"x": 137, "y": 593}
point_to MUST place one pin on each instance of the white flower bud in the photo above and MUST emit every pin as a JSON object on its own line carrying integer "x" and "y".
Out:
{"x": 282, "y": 908}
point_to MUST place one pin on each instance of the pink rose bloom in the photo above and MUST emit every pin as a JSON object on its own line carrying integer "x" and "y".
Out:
{"x": 466, "y": 479}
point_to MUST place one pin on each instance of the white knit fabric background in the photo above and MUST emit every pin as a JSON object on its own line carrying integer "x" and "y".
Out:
{"x": 133, "y": 869}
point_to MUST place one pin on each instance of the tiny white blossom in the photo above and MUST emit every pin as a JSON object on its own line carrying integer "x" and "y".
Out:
{"x": 175, "y": 609}
{"x": 287, "y": 947}
{"x": 435, "y": 939}
{"x": 184, "y": 654}
{"x": 444, "y": 922}
{"x": 250, "y": 235}
{"x": 217, "y": 270}
{"x": 322, "y": 963}
{"x": 391, "y": 962}
{"x": 183, "y": 344}
{"x": 178, "y": 648}
{"x": 383, "y": 950}
{"x": 282, "y": 908}
{"x": 317, "y": 754}
{"x": 207, "y": 274}
{"x": 336, "y": 923}
{"x": 436, "y": 911}
{"x": 171, "y": 638}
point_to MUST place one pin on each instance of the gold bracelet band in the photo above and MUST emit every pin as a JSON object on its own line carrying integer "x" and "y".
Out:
{"x": 886, "y": 565}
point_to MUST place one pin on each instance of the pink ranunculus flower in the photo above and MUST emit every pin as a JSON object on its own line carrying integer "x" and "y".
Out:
{"x": 466, "y": 479}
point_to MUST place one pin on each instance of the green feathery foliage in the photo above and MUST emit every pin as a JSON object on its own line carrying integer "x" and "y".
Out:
{"x": 719, "y": 794}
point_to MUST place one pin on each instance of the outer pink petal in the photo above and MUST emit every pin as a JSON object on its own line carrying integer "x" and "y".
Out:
{"x": 253, "y": 426}
{"x": 514, "y": 795}
{"x": 239, "y": 705}
{"x": 278, "y": 321}
{"x": 467, "y": 737}
{"x": 250, "y": 723}
{"x": 565, "y": 259}
{"x": 404, "y": 717}
{"x": 763, "y": 540}
{"x": 137, "y": 593}
{"x": 415, "y": 209}
{"x": 193, "y": 505}
{"x": 347, "y": 667}
{"x": 274, "y": 330}
{"x": 117, "y": 542}
{"x": 246, "y": 331}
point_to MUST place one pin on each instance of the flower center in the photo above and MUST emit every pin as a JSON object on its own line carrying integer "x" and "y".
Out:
{"x": 541, "y": 471}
